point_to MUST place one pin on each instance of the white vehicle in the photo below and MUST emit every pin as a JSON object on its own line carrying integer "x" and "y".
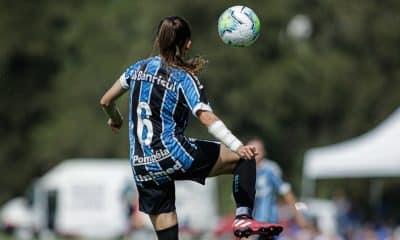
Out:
{"x": 85, "y": 198}
{"x": 196, "y": 205}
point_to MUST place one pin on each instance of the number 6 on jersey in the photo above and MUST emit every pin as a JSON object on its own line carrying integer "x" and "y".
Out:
{"x": 143, "y": 122}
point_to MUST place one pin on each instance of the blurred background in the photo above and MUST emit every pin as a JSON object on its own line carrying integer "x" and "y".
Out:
{"x": 321, "y": 73}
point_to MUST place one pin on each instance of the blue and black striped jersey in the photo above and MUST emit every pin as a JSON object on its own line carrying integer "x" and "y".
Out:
{"x": 269, "y": 184}
{"x": 161, "y": 98}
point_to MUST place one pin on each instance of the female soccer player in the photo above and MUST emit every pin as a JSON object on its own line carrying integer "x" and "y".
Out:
{"x": 163, "y": 90}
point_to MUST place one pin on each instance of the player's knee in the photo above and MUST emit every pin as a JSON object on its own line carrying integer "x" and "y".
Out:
{"x": 164, "y": 220}
{"x": 230, "y": 167}
{"x": 227, "y": 156}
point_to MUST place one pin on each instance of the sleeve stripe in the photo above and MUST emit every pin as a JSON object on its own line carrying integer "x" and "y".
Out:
{"x": 201, "y": 106}
{"x": 193, "y": 95}
{"x": 192, "y": 81}
{"x": 123, "y": 81}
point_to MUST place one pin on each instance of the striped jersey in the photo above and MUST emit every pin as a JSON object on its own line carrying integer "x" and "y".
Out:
{"x": 161, "y": 99}
{"x": 268, "y": 185}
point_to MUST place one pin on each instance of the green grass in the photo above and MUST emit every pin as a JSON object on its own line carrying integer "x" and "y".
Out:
{"x": 6, "y": 237}
{"x": 10, "y": 237}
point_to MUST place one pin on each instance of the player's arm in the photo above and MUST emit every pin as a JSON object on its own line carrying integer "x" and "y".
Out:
{"x": 198, "y": 103}
{"x": 108, "y": 103}
{"x": 285, "y": 191}
{"x": 218, "y": 129}
{"x": 290, "y": 200}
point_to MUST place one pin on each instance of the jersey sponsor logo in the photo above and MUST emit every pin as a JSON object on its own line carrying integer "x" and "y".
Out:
{"x": 158, "y": 80}
{"x": 149, "y": 176}
{"x": 156, "y": 157}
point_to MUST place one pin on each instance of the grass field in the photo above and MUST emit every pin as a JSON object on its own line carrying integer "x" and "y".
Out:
{"x": 9, "y": 237}
{"x": 6, "y": 237}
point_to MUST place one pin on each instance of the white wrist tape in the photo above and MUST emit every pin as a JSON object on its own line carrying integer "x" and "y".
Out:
{"x": 222, "y": 133}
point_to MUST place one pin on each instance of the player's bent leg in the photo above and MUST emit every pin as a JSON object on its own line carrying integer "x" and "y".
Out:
{"x": 226, "y": 162}
{"x": 165, "y": 225}
{"x": 244, "y": 178}
{"x": 244, "y": 172}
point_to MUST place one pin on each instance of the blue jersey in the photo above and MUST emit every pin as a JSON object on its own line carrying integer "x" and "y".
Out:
{"x": 268, "y": 185}
{"x": 161, "y": 98}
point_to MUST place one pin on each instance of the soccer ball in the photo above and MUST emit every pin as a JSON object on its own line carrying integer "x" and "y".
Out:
{"x": 238, "y": 26}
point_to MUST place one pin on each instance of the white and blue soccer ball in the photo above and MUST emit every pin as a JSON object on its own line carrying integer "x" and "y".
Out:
{"x": 238, "y": 26}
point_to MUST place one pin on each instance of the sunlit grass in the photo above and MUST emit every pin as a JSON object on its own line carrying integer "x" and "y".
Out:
{"x": 6, "y": 237}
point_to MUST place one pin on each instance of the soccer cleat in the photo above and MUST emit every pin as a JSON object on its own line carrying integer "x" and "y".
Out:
{"x": 245, "y": 227}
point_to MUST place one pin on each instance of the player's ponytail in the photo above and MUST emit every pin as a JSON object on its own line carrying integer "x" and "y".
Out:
{"x": 172, "y": 36}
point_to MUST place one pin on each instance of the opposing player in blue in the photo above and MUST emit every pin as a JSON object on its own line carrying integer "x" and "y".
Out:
{"x": 164, "y": 89}
{"x": 269, "y": 185}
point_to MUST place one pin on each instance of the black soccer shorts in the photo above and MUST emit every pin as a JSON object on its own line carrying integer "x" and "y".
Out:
{"x": 155, "y": 199}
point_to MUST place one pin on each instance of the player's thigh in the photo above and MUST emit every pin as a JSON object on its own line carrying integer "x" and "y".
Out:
{"x": 226, "y": 162}
{"x": 164, "y": 220}
{"x": 158, "y": 201}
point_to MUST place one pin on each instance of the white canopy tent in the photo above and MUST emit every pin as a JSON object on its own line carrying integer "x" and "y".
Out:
{"x": 374, "y": 154}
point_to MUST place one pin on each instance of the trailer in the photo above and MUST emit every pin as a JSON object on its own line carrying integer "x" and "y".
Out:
{"x": 85, "y": 198}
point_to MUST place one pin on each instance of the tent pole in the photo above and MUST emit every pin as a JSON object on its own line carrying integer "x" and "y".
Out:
{"x": 308, "y": 187}
{"x": 375, "y": 194}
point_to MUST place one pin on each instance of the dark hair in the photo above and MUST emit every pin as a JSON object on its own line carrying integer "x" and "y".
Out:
{"x": 172, "y": 34}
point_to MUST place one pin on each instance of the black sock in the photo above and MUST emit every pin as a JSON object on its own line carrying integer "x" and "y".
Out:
{"x": 170, "y": 233}
{"x": 244, "y": 187}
